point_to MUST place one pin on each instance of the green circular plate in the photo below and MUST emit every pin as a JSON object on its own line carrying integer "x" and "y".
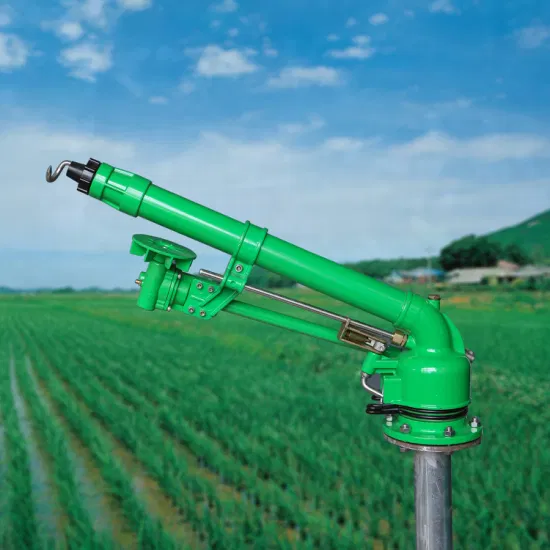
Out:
{"x": 164, "y": 247}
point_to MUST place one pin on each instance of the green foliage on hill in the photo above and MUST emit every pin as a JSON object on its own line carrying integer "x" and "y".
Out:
{"x": 533, "y": 235}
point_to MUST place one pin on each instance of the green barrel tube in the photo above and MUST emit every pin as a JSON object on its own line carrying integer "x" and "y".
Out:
{"x": 223, "y": 232}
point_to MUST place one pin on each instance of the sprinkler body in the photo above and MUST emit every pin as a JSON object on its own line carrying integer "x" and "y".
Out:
{"x": 423, "y": 365}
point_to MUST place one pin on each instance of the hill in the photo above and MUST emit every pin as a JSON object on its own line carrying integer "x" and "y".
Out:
{"x": 533, "y": 235}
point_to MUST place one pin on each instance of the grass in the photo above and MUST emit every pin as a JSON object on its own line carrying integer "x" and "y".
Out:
{"x": 257, "y": 436}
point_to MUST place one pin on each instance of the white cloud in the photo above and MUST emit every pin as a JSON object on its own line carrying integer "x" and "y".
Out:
{"x": 226, "y": 6}
{"x": 86, "y": 60}
{"x": 215, "y": 61}
{"x": 233, "y": 32}
{"x": 333, "y": 37}
{"x": 295, "y": 77}
{"x": 187, "y": 87}
{"x": 378, "y": 19}
{"x": 93, "y": 11}
{"x": 359, "y": 51}
{"x": 158, "y": 100}
{"x": 14, "y": 52}
{"x": 216, "y": 24}
{"x": 351, "y": 22}
{"x": 314, "y": 123}
{"x": 135, "y": 5}
{"x": 409, "y": 13}
{"x": 262, "y": 174}
{"x": 70, "y": 30}
{"x": 487, "y": 148}
{"x": 444, "y": 6}
{"x": 533, "y": 36}
{"x": 343, "y": 144}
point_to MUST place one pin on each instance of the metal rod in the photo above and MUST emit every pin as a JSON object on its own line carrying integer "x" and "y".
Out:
{"x": 52, "y": 177}
{"x": 433, "y": 500}
{"x": 308, "y": 307}
{"x": 370, "y": 389}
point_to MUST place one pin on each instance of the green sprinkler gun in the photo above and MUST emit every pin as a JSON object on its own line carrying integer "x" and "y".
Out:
{"x": 423, "y": 365}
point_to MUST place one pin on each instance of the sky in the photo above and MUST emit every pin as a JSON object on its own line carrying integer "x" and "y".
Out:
{"x": 354, "y": 129}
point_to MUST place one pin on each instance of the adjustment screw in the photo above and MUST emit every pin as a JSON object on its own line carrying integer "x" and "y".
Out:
{"x": 389, "y": 418}
{"x": 169, "y": 308}
{"x": 199, "y": 286}
{"x": 449, "y": 432}
{"x": 476, "y": 422}
{"x": 238, "y": 268}
{"x": 138, "y": 282}
{"x": 191, "y": 310}
{"x": 203, "y": 313}
{"x": 210, "y": 289}
{"x": 405, "y": 428}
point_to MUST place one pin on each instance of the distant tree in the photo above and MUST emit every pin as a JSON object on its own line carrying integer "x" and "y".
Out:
{"x": 514, "y": 253}
{"x": 470, "y": 251}
{"x": 266, "y": 279}
{"x": 63, "y": 290}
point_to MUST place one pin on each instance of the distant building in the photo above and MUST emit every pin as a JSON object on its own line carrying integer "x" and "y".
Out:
{"x": 533, "y": 272}
{"x": 495, "y": 275}
{"x": 507, "y": 266}
{"x": 419, "y": 275}
{"x": 476, "y": 275}
{"x": 394, "y": 278}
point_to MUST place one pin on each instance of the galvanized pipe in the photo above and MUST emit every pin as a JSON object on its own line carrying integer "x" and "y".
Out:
{"x": 433, "y": 500}
{"x": 384, "y": 334}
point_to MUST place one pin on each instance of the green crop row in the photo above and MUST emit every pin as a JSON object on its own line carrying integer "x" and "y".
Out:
{"x": 80, "y": 532}
{"x": 149, "y": 533}
{"x": 268, "y": 417}
{"x": 235, "y": 436}
{"x": 23, "y": 527}
{"x": 123, "y": 424}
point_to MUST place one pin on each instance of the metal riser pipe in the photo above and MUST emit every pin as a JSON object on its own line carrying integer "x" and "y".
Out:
{"x": 433, "y": 500}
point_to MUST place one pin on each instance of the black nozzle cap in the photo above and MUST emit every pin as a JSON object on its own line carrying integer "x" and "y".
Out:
{"x": 83, "y": 175}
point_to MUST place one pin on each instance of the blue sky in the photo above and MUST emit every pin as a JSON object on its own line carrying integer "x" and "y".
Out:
{"x": 354, "y": 129}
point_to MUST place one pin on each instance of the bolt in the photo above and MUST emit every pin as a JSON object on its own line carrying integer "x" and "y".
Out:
{"x": 191, "y": 310}
{"x": 199, "y": 286}
{"x": 210, "y": 289}
{"x": 168, "y": 308}
{"x": 449, "y": 432}
{"x": 405, "y": 428}
{"x": 238, "y": 268}
{"x": 476, "y": 422}
{"x": 203, "y": 313}
{"x": 434, "y": 297}
{"x": 138, "y": 282}
{"x": 179, "y": 275}
{"x": 389, "y": 418}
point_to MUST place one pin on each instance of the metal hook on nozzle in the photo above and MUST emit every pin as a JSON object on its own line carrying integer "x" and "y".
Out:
{"x": 52, "y": 177}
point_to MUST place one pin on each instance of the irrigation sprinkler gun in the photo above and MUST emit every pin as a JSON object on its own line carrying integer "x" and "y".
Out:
{"x": 423, "y": 365}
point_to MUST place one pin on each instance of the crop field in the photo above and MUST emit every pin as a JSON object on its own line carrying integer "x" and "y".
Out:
{"x": 121, "y": 428}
